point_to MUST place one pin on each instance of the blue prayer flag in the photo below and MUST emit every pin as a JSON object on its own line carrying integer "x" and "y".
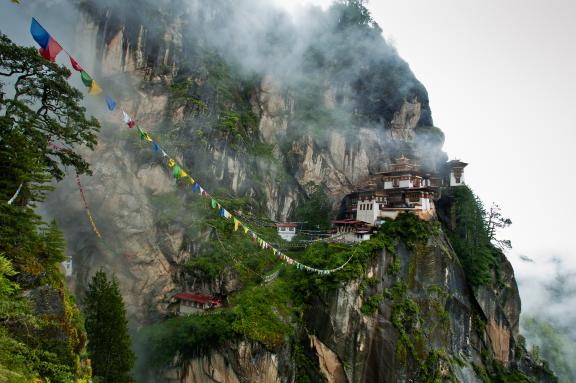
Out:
{"x": 155, "y": 147}
{"x": 40, "y": 35}
{"x": 222, "y": 212}
{"x": 196, "y": 188}
{"x": 111, "y": 103}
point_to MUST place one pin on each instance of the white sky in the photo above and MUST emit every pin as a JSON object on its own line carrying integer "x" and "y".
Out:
{"x": 501, "y": 77}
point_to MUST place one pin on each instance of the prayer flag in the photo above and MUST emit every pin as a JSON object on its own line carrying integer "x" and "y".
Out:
{"x": 176, "y": 172}
{"x": 164, "y": 154}
{"x": 171, "y": 163}
{"x": 196, "y": 188}
{"x": 183, "y": 173}
{"x": 236, "y": 223}
{"x": 111, "y": 104}
{"x": 155, "y": 147}
{"x": 147, "y": 137}
{"x": 214, "y": 204}
{"x": 50, "y": 52}
{"x": 39, "y": 34}
{"x": 75, "y": 64}
{"x": 86, "y": 79}
{"x": 245, "y": 230}
{"x": 221, "y": 212}
{"x": 94, "y": 89}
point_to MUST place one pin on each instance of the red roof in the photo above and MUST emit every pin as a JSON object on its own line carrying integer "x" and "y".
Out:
{"x": 348, "y": 222}
{"x": 198, "y": 297}
{"x": 288, "y": 224}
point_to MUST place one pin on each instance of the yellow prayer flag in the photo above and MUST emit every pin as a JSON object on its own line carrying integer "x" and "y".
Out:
{"x": 245, "y": 229}
{"x": 183, "y": 173}
{"x": 94, "y": 89}
{"x": 236, "y": 223}
{"x": 192, "y": 182}
{"x": 147, "y": 137}
{"x": 171, "y": 163}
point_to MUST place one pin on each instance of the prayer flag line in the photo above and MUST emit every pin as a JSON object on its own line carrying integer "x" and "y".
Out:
{"x": 49, "y": 49}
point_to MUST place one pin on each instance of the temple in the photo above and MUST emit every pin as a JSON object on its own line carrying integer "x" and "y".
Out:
{"x": 193, "y": 303}
{"x": 404, "y": 187}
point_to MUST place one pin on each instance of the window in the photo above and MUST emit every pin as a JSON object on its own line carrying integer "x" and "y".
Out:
{"x": 291, "y": 229}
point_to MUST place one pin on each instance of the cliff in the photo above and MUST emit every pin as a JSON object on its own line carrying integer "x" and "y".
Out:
{"x": 260, "y": 108}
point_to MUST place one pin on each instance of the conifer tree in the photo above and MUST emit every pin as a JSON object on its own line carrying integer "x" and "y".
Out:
{"x": 38, "y": 110}
{"x": 106, "y": 325}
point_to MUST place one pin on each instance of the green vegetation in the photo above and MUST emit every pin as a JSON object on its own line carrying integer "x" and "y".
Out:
{"x": 315, "y": 211}
{"x": 107, "y": 328}
{"x": 370, "y": 306}
{"x": 186, "y": 336}
{"x": 553, "y": 345}
{"x": 470, "y": 237}
{"x": 42, "y": 337}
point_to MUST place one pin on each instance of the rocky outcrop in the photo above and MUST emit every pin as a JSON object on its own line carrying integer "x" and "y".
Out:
{"x": 240, "y": 362}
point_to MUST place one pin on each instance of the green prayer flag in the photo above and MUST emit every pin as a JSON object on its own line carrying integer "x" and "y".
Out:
{"x": 214, "y": 204}
{"x": 176, "y": 172}
{"x": 86, "y": 79}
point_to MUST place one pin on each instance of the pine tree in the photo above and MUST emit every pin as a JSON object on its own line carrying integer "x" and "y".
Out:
{"x": 106, "y": 324}
{"x": 38, "y": 109}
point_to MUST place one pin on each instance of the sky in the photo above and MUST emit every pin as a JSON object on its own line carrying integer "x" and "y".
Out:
{"x": 501, "y": 77}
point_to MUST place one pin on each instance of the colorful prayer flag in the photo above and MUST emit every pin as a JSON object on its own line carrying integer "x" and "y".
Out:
{"x": 52, "y": 50}
{"x": 75, "y": 64}
{"x": 213, "y": 203}
{"x": 131, "y": 123}
{"x": 221, "y": 212}
{"x": 245, "y": 230}
{"x": 39, "y": 34}
{"x": 155, "y": 147}
{"x": 236, "y": 223}
{"x": 176, "y": 172}
{"x": 112, "y": 105}
{"x": 183, "y": 173}
{"x": 171, "y": 163}
{"x": 196, "y": 188}
{"x": 94, "y": 89}
{"x": 86, "y": 79}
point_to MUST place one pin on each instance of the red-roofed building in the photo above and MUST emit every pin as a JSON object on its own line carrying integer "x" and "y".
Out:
{"x": 191, "y": 303}
{"x": 351, "y": 230}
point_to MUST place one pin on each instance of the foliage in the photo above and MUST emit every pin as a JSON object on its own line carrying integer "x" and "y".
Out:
{"x": 41, "y": 108}
{"x": 263, "y": 313}
{"x": 184, "y": 336}
{"x": 370, "y": 306}
{"x": 494, "y": 221}
{"x": 553, "y": 345}
{"x": 470, "y": 237}
{"x": 316, "y": 210}
{"x": 107, "y": 328}
{"x": 41, "y": 333}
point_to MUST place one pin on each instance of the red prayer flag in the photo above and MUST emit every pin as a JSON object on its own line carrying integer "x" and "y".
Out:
{"x": 75, "y": 64}
{"x": 51, "y": 50}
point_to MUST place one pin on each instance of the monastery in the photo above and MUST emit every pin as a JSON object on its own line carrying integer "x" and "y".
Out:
{"x": 404, "y": 187}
